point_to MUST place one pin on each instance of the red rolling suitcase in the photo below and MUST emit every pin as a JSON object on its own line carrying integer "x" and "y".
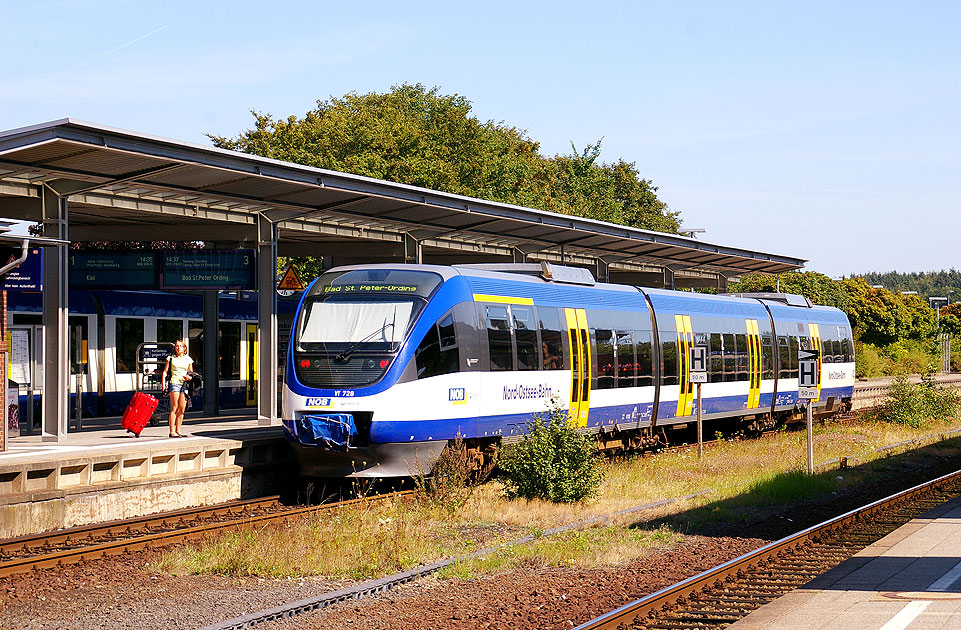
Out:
{"x": 138, "y": 412}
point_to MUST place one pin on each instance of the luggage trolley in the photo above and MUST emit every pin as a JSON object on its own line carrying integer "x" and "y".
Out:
{"x": 151, "y": 358}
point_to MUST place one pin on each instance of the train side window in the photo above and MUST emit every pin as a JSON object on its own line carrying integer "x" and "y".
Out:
{"x": 669, "y": 354}
{"x": 848, "y": 356}
{"x": 626, "y": 362}
{"x": 742, "y": 357}
{"x": 437, "y": 353}
{"x": 644, "y": 348}
{"x": 229, "y": 350}
{"x": 716, "y": 363}
{"x": 552, "y": 355}
{"x": 170, "y": 330}
{"x": 767, "y": 355}
{"x": 730, "y": 358}
{"x": 526, "y": 335}
{"x": 783, "y": 357}
{"x": 792, "y": 356}
{"x": 499, "y": 337}
{"x": 129, "y": 336}
{"x": 195, "y": 343}
{"x": 604, "y": 352}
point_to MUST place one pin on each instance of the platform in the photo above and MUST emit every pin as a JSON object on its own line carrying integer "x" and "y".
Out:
{"x": 103, "y": 473}
{"x": 911, "y": 578}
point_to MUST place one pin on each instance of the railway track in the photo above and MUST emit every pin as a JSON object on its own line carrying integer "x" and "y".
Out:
{"x": 67, "y": 546}
{"x": 731, "y": 591}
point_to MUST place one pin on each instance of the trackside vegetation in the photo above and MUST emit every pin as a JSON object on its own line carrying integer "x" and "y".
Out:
{"x": 553, "y": 462}
{"x": 736, "y": 481}
{"x": 894, "y": 333}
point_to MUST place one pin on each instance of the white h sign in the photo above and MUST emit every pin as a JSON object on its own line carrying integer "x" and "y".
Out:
{"x": 698, "y": 371}
{"x": 807, "y": 373}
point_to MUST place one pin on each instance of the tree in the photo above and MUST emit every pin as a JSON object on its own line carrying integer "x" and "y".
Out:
{"x": 417, "y": 136}
{"x": 815, "y": 286}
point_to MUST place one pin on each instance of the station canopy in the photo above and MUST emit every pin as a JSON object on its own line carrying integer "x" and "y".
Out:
{"x": 126, "y": 186}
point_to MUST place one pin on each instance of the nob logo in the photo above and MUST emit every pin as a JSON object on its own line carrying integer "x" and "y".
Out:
{"x": 318, "y": 402}
{"x": 456, "y": 394}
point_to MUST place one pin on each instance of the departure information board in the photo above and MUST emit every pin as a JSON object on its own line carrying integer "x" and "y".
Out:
{"x": 184, "y": 269}
{"x": 208, "y": 269}
{"x": 113, "y": 270}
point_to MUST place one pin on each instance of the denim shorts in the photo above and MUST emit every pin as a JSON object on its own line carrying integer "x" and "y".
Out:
{"x": 176, "y": 388}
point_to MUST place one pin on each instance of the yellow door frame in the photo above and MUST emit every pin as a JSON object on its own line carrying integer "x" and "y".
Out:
{"x": 578, "y": 337}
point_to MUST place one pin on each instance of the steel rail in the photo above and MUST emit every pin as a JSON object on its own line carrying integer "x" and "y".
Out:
{"x": 159, "y": 539}
{"x": 129, "y": 526}
{"x": 641, "y": 608}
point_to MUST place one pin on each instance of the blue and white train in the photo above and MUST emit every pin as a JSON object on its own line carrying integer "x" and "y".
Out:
{"x": 387, "y": 364}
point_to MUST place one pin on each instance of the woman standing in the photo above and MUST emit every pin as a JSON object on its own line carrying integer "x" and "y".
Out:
{"x": 177, "y": 366}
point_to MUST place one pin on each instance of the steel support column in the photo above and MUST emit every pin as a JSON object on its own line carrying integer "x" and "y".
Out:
{"x": 211, "y": 367}
{"x": 56, "y": 344}
{"x": 267, "y": 321}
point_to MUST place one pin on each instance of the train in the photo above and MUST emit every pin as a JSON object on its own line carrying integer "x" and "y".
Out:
{"x": 388, "y": 364}
{"x": 106, "y": 328}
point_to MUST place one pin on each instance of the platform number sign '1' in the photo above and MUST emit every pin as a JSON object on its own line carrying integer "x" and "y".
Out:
{"x": 698, "y": 372}
{"x": 807, "y": 373}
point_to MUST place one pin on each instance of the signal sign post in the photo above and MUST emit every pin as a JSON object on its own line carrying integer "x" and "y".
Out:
{"x": 807, "y": 390}
{"x": 698, "y": 374}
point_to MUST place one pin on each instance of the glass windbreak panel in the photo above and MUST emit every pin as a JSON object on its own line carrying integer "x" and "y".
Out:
{"x": 170, "y": 330}
{"x": 78, "y": 345}
{"x": 129, "y": 336}
{"x": 195, "y": 344}
{"x": 525, "y": 331}
{"x": 606, "y": 368}
{"x": 552, "y": 352}
{"x": 499, "y": 337}
{"x": 626, "y": 362}
{"x": 644, "y": 367}
{"x": 229, "y": 351}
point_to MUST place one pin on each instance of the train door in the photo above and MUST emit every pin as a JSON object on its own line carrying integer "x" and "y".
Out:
{"x": 253, "y": 356}
{"x": 580, "y": 348}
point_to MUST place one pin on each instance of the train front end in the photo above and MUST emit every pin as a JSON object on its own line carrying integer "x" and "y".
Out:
{"x": 348, "y": 350}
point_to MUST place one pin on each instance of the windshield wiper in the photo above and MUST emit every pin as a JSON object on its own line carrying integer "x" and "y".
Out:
{"x": 343, "y": 356}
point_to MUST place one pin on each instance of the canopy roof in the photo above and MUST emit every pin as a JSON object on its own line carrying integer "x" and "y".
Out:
{"x": 123, "y": 185}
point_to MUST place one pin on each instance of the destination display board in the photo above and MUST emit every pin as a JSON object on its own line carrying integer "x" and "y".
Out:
{"x": 208, "y": 269}
{"x": 113, "y": 270}
{"x": 191, "y": 269}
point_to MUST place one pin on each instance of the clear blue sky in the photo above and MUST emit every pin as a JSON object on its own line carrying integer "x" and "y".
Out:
{"x": 825, "y": 130}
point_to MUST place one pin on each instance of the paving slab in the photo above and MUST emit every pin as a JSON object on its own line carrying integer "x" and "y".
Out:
{"x": 910, "y": 579}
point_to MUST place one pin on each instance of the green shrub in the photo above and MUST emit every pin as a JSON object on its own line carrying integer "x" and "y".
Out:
{"x": 914, "y": 405}
{"x": 552, "y": 462}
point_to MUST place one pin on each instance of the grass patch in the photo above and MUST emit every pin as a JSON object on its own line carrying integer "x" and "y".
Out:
{"x": 793, "y": 485}
{"x": 583, "y": 549}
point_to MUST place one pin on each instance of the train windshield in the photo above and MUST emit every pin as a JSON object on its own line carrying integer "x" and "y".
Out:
{"x": 354, "y": 322}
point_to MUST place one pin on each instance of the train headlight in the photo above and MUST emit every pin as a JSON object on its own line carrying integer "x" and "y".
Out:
{"x": 305, "y": 363}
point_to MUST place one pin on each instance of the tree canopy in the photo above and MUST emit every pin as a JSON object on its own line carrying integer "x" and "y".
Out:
{"x": 418, "y": 136}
